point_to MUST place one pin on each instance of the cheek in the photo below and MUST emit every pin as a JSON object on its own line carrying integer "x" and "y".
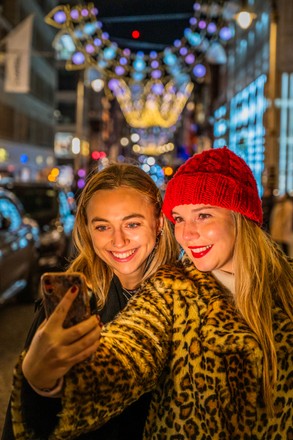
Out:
{"x": 213, "y": 234}
{"x": 96, "y": 239}
{"x": 178, "y": 233}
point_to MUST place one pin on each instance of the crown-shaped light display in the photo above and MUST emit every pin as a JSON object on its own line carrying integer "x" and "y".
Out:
{"x": 154, "y": 105}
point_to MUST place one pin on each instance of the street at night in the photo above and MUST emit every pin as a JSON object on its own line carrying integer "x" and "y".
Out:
{"x": 15, "y": 320}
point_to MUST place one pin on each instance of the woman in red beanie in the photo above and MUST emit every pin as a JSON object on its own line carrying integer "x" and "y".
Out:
{"x": 211, "y": 337}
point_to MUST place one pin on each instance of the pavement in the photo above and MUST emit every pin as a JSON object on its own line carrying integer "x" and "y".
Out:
{"x": 15, "y": 320}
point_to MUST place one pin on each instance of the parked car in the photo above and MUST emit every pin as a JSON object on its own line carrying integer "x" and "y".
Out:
{"x": 19, "y": 250}
{"x": 48, "y": 205}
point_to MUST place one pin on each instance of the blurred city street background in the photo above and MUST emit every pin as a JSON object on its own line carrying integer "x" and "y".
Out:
{"x": 15, "y": 320}
{"x": 151, "y": 83}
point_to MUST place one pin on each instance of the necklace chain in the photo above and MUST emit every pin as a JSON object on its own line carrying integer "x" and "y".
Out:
{"x": 129, "y": 293}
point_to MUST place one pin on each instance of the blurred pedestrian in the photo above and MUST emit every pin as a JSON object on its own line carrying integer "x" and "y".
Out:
{"x": 268, "y": 201}
{"x": 281, "y": 223}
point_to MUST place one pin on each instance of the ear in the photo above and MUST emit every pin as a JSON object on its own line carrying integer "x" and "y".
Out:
{"x": 160, "y": 224}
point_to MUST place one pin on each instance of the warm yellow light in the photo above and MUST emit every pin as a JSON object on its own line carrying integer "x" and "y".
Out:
{"x": 55, "y": 172}
{"x": 168, "y": 171}
{"x": 97, "y": 85}
{"x": 3, "y": 154}
{"x": 85, "y": 148}
{"x": 152, "y": 110}
{"x": 124, "y": 141}
{"x": 153, "y": 149}
{"x": 244, "y": 19}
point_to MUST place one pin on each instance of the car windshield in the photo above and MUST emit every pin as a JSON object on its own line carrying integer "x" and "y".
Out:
{"x": 40, "y": 203}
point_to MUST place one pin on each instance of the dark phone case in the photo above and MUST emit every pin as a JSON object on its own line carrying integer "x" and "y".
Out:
{"x": 55, "y": 285}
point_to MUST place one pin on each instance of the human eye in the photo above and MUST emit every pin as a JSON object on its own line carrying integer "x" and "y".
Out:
{"x": 101, "y": 228}
{"x": 204, "y": 215}
{"x": 177, "y": 219}
{"x": 133, "y": 225}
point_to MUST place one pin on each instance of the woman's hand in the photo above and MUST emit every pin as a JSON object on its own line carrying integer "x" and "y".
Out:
{"x": 54, "y": 349}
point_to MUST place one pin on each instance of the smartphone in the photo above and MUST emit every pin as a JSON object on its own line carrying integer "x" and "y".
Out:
{"x": 54, "y": 285}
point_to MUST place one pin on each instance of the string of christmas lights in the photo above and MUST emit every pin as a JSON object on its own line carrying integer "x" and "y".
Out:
{"x": 210, "y": 24}
{"x": 151, "y": 88}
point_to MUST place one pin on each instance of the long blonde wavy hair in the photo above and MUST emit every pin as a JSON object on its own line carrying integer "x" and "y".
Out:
{"x": 96, "y": 271}
{"x": 263, "y": 276}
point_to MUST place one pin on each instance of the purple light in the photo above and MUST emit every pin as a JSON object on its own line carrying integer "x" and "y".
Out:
{"x": 105, "y": 36}
{"x": 155, "y": 64}
{"x": 74, "y": 14}
{"x": 202, "y": 24}
{"x": 78, "y": 58}
{"x": 212, "y": 28}
{"x": 81, "y": 172}
{"x": 60, "y": 17}
{"x": 190, "y": 58}
{"x": 119, "y": 70}
{"x": 157, "y": 89}
{"x": 97, "y": 42}
{"x": 193, "y": 21}
{"x": 183, "y": 51}
{"x": 84, "y": 12}
{"x": 153, "y": 54}
{"x": 127, "y": 52}
{"x": 199, "y": 71}
{"x": 196, "y": 7}
{"x": 80, "y": 183}
{"x": 113, "y": 84}
{"x": 156, "y": 74}
{"x": 123, "y": 61}
{"x": 177, "y": 43}
{"x": 225, "y": 33}
{"x": 94, "y": 11}
{"x": 89, "y": 48}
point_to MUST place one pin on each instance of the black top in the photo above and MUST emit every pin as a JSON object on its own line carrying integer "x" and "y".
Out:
{"x": 41, "y": 412}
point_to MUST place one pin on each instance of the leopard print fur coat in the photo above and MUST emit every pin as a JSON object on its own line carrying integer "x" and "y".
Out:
{"x": 183, "y": 339}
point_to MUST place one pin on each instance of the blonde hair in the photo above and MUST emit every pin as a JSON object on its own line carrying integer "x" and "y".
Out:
{"x": 263, "y": 276}
{"x": 97, "y": 272}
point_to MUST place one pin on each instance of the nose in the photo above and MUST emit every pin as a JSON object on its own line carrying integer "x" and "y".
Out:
{"x": 190, "y": 231}
{"x": 119, "y": 239}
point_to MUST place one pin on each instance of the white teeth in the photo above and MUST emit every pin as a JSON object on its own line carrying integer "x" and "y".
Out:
{"x": 122, "y": 255}
{"x": 204, "y": 248}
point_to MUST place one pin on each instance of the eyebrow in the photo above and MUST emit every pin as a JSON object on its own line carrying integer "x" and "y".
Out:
{"x": 127, "y": 217}
{"x": 196, "y": 209}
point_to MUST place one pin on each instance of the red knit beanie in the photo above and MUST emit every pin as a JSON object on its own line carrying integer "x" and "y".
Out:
{"x": 216, "y": 177}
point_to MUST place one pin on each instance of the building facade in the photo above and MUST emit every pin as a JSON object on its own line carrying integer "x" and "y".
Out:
{"x": 252, "y": 112}
{"x": 27, "y": 123}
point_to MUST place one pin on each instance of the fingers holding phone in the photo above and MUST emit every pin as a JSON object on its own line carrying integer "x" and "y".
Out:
{"x": 55, "y": 285}
{"x": 54, "y": 348}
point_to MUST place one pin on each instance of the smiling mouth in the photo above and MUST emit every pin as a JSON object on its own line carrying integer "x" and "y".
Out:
{"x": 199, "y": 252}
{"x": 123, "y": 255}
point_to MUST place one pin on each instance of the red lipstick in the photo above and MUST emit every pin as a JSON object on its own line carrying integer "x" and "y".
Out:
{"x": 199, "y": 251}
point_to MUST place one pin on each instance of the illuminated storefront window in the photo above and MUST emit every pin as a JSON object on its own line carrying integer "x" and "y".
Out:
{"x": 220, "y": 127}
{"x": 286, "y": 134}
{"x": 242, "y": 128}
{"x": 247, "y": 132}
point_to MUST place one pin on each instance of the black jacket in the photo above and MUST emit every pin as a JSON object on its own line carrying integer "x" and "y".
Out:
{"x": 41, "y": 412}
